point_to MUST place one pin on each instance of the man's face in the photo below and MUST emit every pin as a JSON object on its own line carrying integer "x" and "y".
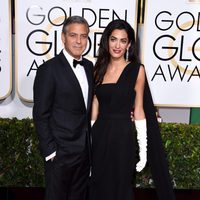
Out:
{"x": 75, "y": 39}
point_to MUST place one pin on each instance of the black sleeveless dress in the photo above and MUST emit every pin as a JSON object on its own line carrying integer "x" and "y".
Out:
{"x": 113, "y": 142}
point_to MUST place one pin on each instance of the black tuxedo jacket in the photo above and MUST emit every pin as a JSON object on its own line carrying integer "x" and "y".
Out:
{"x": 61, "y": 119}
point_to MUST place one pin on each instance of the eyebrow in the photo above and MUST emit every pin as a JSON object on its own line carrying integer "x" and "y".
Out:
{"x": 120, "y": 38}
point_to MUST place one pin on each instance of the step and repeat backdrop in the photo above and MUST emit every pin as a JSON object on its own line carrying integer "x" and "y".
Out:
{"x": 171, "y": 51}
{"x": 38, "y": 31}
{"x": 170, "y": 48}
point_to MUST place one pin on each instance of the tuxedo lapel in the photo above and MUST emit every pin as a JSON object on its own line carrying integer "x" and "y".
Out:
{"x": 72, "y": 77}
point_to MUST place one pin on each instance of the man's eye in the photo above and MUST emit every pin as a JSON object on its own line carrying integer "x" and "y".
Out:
{"x": 84, "y": 36}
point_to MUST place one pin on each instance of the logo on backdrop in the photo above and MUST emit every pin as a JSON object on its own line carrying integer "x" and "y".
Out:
{"x": 38, "y": 32}
{"x": 172, "y": 52}
{"x": 178, "y": 51}
{"x": 48, "y": 38}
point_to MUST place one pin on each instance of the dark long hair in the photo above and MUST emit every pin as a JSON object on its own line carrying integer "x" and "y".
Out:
{"x": 103, "y": 57}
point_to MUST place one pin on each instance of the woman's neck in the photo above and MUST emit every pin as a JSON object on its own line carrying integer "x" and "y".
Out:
{"x": 116, "y": 63}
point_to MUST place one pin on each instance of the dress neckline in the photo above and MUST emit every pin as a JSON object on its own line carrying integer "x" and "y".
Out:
{"x": 123, "y": 71}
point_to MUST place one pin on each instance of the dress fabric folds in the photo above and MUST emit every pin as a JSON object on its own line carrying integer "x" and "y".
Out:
{"x": 114, "y": 142}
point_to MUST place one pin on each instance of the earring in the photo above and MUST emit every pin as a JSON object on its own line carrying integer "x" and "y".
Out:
{"x": 127, "y": 55}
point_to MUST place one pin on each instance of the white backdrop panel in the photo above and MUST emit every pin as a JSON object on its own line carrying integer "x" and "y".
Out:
{"x": 38, "y": 30}
{"x": 5, "y": 49}
{"x": 171, "y": 52}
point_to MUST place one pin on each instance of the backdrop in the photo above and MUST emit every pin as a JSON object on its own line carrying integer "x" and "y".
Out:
{"x": 37, "y": 39}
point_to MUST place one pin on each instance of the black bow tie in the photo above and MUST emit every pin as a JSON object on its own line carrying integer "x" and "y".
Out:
{"x": 76, "y": 62}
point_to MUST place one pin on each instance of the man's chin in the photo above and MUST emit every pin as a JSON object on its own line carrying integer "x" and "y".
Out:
{"x": 78, "y": 55}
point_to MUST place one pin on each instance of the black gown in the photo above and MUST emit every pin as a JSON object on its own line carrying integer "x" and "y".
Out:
{"x": 113, "y": 142}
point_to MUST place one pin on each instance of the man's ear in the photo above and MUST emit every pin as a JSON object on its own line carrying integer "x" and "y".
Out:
{"x": 63, "y": 37}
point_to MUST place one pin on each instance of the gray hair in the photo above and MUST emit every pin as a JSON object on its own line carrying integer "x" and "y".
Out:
{"x": 73, "y": 20}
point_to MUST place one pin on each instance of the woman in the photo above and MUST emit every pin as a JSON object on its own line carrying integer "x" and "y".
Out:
{"x": 121, "y": 85}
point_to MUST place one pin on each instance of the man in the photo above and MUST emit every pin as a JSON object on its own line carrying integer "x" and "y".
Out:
{"x": 61, "y": 114}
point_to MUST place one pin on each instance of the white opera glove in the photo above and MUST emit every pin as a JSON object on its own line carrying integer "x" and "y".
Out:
{"x": 141, "y": 128}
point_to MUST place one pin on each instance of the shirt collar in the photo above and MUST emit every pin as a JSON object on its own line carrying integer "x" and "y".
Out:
{"x": 69, "y": 57}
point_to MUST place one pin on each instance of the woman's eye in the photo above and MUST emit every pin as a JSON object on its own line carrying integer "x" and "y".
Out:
{"x": 124, "y": 41}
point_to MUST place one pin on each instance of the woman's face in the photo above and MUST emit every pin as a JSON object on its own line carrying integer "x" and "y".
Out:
{"x": 118, "y": 43}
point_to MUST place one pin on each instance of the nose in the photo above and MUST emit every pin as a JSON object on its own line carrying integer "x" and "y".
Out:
{"x": 117, "y": 45}
{"x": 78, "y": 39}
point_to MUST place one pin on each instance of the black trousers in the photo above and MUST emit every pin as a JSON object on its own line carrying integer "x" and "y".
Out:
{"x": 67, "y": 182}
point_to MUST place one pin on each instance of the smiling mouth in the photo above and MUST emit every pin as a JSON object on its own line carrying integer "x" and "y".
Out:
{"x": 117, "y": 51}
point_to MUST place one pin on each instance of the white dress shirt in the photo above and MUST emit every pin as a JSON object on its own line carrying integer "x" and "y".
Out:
{"x": 80, "y": 74}
{"x": 79, "y": 71}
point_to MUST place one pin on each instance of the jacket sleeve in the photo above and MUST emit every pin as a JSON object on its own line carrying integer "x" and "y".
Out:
{"x": 43, "y": 95}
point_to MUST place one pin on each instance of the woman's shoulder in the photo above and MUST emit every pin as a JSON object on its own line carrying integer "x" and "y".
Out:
{"x": 137, "y": 70}
{"x": 135, "y": 66}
